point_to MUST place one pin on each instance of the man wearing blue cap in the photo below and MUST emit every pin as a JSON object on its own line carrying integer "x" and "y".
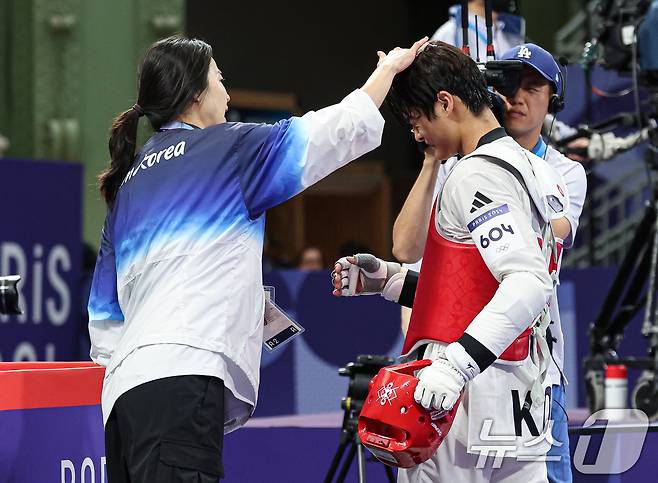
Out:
{"x": 541, "y": 92}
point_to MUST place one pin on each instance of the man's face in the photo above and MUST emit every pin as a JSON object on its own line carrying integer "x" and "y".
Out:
{"x": 526, "y": 110}
{"x": 439, "y": 132}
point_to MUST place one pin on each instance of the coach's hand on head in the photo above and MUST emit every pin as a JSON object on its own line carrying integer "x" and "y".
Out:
{"x": 399, "y": 59}
{"x": 395, "y": 61}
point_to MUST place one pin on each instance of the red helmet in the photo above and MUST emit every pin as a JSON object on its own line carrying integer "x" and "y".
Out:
{"x": 393, "y": 426}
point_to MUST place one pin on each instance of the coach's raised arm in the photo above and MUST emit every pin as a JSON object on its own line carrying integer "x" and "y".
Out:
{"x": 176, "y": 304}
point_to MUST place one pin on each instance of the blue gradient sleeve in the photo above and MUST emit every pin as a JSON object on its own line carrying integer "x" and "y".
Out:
{"x": 103, "y": 299}
{"x": 271, "y": 161}
{"x": 278, "y": 161}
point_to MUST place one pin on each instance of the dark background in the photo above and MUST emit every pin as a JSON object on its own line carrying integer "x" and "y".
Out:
{"x": 318, "y": 51}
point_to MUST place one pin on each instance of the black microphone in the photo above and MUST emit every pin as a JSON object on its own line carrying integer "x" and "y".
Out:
{"x": 562, "y": 68}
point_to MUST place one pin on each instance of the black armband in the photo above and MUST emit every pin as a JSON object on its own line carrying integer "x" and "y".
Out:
{"x": 408, "y": 293}
{"x": 482, "y": 356}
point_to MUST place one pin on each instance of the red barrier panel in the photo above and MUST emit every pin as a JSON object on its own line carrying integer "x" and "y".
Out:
{"x": 29, "y": 385}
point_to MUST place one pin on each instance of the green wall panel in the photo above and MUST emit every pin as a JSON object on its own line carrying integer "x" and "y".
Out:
{"x": 4, "y": 67}
{"x": 69, "y": 67}
{"x": 116, "y": 36}
{"x": 543, "y": 19}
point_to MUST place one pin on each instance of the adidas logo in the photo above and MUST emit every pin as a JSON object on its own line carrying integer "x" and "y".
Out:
{"x": 471, "y": 369}
{"x": 479, "y": 201}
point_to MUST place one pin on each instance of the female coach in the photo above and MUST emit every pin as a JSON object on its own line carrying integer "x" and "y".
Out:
{"x": 176, "y": 306}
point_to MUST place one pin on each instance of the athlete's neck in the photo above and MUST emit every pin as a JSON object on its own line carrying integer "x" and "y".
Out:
{"x": 474, "y": 128}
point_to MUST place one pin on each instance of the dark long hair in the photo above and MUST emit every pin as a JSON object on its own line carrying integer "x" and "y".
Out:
{"x": 173, "y": 73}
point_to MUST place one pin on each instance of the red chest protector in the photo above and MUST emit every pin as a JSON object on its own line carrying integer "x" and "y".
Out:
{"x": 454, "y": 286}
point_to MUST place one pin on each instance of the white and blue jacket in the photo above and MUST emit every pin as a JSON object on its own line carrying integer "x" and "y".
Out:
{"x": 177, "y": 287}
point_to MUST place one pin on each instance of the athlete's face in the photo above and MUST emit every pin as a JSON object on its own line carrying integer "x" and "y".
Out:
{"x": 214, "y": 100}
{"x": 439, "y": 132}
{"x": 526, "y": 110}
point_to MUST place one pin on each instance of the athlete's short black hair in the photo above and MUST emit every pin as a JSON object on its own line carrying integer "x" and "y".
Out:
{"x": 438, "y": 67}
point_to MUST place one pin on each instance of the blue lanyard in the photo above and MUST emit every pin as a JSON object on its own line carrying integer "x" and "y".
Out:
{"x": 540, "y": 148}
{"x": 483, "y": 37}
{"x": 177, "y": 125}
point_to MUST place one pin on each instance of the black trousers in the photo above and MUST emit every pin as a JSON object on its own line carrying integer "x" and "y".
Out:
{"x": 168, "y": 430}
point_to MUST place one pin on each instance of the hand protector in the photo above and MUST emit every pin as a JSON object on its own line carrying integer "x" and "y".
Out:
{"x": 363, "y": 274}
{"x": 440, "y": 385}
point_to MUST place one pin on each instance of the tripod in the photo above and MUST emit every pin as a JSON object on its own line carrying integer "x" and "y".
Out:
{"x": 625, "y": 299}
{"x": 349, "y": 437}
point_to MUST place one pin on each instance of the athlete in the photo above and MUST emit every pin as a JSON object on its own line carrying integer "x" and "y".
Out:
{"x": 541, "y": 92}
{"x": 480, "y": 303}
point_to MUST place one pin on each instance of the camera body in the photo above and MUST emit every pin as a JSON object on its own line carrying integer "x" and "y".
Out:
{"x": 625, "y": 26}
{"x": 9, "y": 295}
{"x": 361, "y": 373}
{"x": 503, "y": 75}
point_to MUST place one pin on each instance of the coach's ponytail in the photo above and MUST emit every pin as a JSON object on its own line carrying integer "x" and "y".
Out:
{"x": 173, "y": 73}
{"x": 122, "y": 144}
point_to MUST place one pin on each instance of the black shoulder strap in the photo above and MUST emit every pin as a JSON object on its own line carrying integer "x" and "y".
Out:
{"x": 515, "y": 172}
{"x": 508, "y": 167}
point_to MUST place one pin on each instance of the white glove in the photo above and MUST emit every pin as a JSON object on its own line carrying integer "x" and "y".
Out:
{"x": 440, "y": 385}
{"x": 365, "y": 274}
